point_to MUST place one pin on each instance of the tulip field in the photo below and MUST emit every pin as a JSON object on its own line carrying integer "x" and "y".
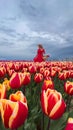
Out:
{"x": 36, "y": 95}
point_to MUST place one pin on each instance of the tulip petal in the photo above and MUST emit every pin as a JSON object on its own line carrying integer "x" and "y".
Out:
{"x": 44, "y": 102}
{"x": 18, "y": 116}
{"x": 58, "y": 110}
{"x": 6, "y": 111}
{"x": 69, "y": 125}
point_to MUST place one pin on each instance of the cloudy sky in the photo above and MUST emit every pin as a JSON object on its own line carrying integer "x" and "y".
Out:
{"x": 25, "y": 23}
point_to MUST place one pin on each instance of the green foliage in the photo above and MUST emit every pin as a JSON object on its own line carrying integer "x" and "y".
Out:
{"x": 60, "y": 123}
{"x": 2, "y": 126}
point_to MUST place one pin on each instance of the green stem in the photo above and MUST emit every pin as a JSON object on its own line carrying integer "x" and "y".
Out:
{"x": 48, "y": 127}
{"x": 68, "y": 102}
{"x": 42, "y": 122}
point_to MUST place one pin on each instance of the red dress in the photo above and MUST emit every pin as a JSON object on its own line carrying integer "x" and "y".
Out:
{"x": 39, "y": 56}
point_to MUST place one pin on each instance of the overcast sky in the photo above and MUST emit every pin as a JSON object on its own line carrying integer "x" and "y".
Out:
{"x": 25, "y": 23}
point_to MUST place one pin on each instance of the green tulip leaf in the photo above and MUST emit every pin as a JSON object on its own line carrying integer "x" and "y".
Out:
{"x": 60, "y": 123}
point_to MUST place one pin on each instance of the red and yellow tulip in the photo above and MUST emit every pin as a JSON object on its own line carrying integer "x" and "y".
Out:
{"x": 26, "y": 77}
{"x": 18, "y": 96}
{"x": 48, "y": 84}
{"x": 14, "y": 112}
{"x": 2, "y": 91}
{"x": 52, "y": 103}
{"x": 32, "y": 69}
{"x": 38, "y": 77}
{"x": 16, "y": 80}
{"x": 68, "y": 87}
{"x": 69, "y": 125}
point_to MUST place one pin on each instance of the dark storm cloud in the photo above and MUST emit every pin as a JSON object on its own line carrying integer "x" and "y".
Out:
{"x": 25, "y": 23}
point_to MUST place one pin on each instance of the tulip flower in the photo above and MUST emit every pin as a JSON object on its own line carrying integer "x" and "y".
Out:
{"x": 24, "y": 70}
{"x": 2, "y": 71}
{"x": 53, "y": 72}
{"x": 68, "y": 87}
{"x": 18, "y": 96}
{"x": 63, "y": 75}
{"x": 69, "y": 125}
{"x": 16, "y": 80}
{"x": 46, "y": 73}
{"x": 6, "y": 83}
{"x": 71, "y": 73}
{"x": 10, "y": 65}
{"x": 13, "y": 113}
{"x": 52, "y": 103}
{"x": 48, "y": 84}
{"x": 32, "y": 69}
{"x": 38, "y": 77}
{"x": 42, "y": 69}
{"x": 26, "y": 77}
{"x": 2, "y": 91}
{"x": 10, "y": 72}
{"x": 16, "y": 67}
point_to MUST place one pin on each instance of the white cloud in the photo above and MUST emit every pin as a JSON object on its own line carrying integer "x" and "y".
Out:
{"x": 22, "y": 27}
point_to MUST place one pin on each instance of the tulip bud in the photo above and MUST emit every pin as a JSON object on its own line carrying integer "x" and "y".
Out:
{"x": 16, "y": 67}
{"x": 38, "y": 77}
{"x": 10, "y": 72}
{"x": 69, "y": 125}
{"x": 63, "y": 75}
{"x": 42, "y": 69}
{"x": 71, "y": 73}
{"x": 6, "y": 83}
{"x": 18, "y": 96}
{"x": 2, "y": 91}
{"x": 32, "y": 69}
{"x": 13, "y": 113}
{"x": 46, "y": 73}
{"x": 52, "y": 103}
{"x": 16, "y": 80}
{"x": 26, "y": 77}
{"x": 53, "y": 72}
{"x": 2, "y": 71}
{"x": 48, "y": 84}
{"x": 68, "y": 87}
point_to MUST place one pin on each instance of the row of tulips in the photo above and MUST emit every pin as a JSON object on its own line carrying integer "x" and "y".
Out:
{"x": 25, "y": 86}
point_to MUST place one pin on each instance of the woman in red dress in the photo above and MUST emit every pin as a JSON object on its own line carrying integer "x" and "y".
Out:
{"x": 40, "y": 54}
